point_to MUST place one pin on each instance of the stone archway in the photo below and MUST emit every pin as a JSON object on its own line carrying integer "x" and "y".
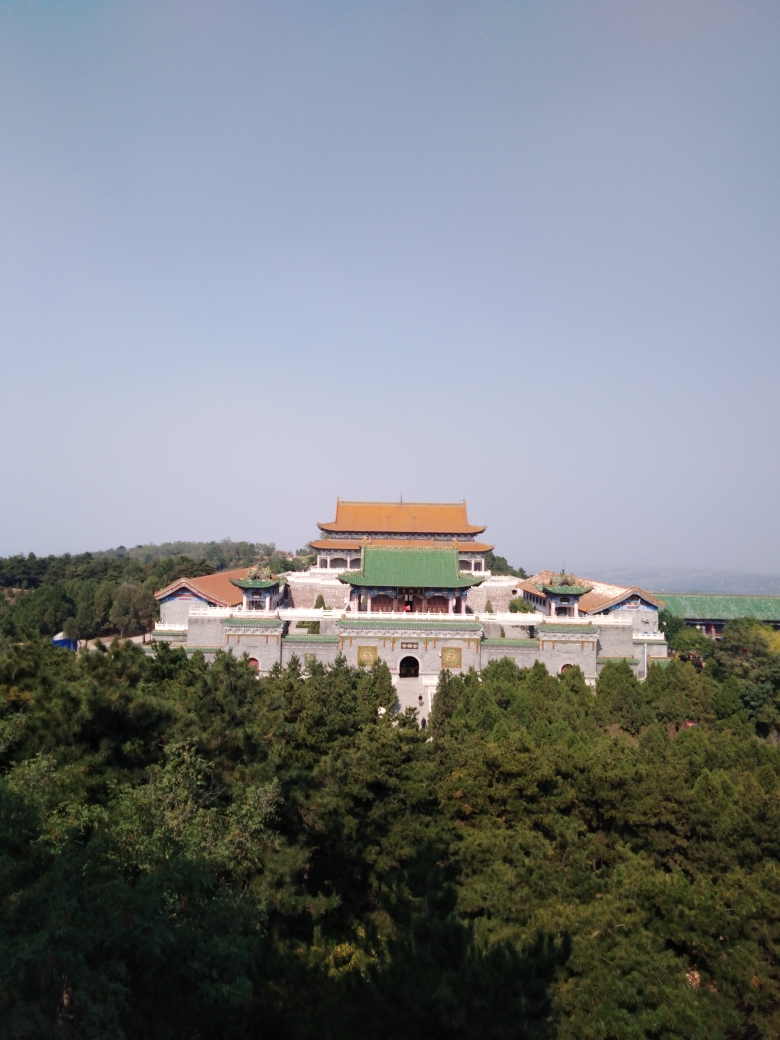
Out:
{"x": 409, "y": 668}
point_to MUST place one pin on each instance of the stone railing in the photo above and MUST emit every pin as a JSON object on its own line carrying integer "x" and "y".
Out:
{"x": 506, "y": 618}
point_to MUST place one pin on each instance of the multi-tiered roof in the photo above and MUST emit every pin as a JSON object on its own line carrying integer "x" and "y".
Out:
{"x": 419, "y": 525}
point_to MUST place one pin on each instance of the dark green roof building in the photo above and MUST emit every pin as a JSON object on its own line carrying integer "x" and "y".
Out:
{"x": 710, "y": 612}
{"x": 409, "y": 580}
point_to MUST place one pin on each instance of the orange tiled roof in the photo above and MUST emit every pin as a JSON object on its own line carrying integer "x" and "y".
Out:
{"x": 402, "y": 518}
{"x": 527, "y": 585}
{"x": 214, "y": 587}
{"x": 601, "y": 594}
{"x": 400, "y": 543}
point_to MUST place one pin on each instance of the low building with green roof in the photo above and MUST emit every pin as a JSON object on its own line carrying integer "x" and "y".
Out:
{"x": 709, "y": 612}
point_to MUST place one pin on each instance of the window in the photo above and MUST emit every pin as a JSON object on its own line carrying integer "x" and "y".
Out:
{"x": 477, "y": 565}
{"x": 338, "y": 562}
{"x": 465, "y": 565}
{"x": 354, "y": 565}
{"x": 323, "y": 561}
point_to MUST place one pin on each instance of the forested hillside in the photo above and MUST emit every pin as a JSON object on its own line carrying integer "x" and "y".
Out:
{"x": 188, "y": 851}
{"x": 112, "y": 592}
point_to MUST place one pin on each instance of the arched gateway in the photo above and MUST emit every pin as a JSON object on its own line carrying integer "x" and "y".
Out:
{"x": 409, "y": 668}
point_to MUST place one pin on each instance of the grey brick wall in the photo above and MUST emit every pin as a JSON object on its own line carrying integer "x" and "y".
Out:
{"x": 497, "y": 589}
{"x": 303, "y": 592}
{"x": 511, "y": 629}
{"x": 175, "y": 611}
{"x": 325, "y": 651}
{"x": 555, "y": 645}
{"x": 266, "y": 653}
{"x": 524, "y": 657}
{"x": 573, "y": 653}
{"x": 616, "y": 640}
{"x": 428, "y": 653}
{"x": 205, "y": 631}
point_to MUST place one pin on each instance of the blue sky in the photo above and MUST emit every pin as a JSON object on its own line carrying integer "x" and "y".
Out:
{"x": 258, "y": 255}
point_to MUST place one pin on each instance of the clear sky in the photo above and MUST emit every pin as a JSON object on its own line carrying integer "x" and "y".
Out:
{"x": 258, "y": 255}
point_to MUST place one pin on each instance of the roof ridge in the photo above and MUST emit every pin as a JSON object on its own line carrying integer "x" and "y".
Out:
{"x": 729, "y": 595}
{"x": 409, "y": 548}
{"x": 390, "y": 502}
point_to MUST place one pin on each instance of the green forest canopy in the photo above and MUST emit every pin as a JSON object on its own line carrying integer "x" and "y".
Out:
{"x": 188, "y": 851}
{"x": 112, "y": 592}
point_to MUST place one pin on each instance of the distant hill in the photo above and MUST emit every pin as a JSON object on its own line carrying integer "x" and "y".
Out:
{"x": 223, "y": 555}
{"x": 681, "y": 579}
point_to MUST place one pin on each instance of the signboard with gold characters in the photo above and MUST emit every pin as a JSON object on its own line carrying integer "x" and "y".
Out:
{"x": 367, "y": 656}
{"x": 451, "y": 657}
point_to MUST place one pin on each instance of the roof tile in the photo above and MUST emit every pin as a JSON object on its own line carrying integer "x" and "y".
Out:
{"x": 402, "y": 518}
{"x": 217, "y": 588}
{"x": 410, "y": 568}
{"x": 356, "y": 544}
{"x": 712, "y": 607}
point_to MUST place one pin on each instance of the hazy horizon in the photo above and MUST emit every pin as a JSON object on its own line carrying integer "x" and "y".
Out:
{"x": 258, "y": 256}
{"x": 653, "y": 579}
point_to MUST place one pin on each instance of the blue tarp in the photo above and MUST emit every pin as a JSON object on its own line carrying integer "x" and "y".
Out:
{"x": 61, "y": 640}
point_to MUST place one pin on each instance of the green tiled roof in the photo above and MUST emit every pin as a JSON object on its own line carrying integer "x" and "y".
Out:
{"x": 509, "y": 642}
{"x": 585, "y": 630}
{"x": 259, "y": 622}
{"x": 257, "y": 583}
{"x": 310, "y": 639}
{"x": 721, "y": 608}
{"x": 564, "y": 590}
{"x": 148, "y": 648}
{"x": 410, "y": 569}
{"x": 465, "y": 627}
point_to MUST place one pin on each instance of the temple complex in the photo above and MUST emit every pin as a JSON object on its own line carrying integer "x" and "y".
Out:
{"x": 408, "y": 584}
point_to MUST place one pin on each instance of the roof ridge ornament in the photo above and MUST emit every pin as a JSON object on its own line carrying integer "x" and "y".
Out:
{"x": 261, "y": 572}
